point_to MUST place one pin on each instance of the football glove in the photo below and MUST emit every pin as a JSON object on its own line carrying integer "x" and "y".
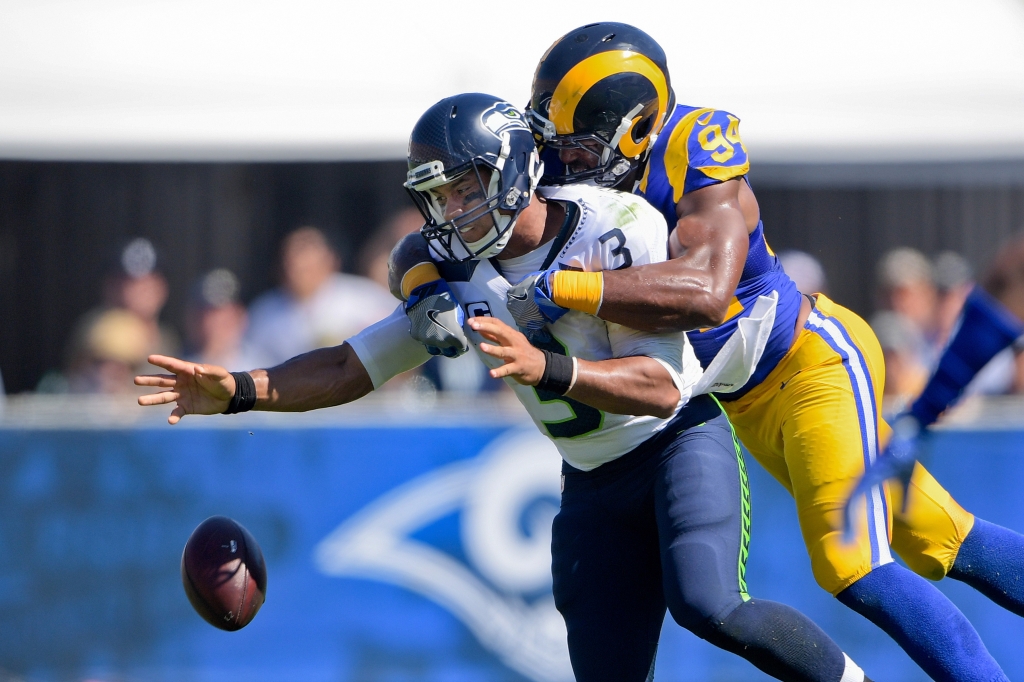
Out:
{"x": 896, "y": 461}
{"x": 436, "y": 319}
{"x": 530, "y": 303}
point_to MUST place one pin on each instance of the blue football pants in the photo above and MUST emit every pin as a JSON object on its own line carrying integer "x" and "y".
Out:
{"x": 667, "y": 526}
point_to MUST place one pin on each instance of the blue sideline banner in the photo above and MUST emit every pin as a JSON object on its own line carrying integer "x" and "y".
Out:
{"x": 394, "y": 554}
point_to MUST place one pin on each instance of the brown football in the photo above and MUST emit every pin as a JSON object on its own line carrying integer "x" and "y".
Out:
{"x": 223, "y": 572}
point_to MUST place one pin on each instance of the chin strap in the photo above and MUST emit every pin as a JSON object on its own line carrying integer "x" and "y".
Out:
{"x": 624, "y": 126}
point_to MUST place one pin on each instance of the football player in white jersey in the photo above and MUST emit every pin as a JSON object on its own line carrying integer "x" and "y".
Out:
{"x": 655, "y": 508}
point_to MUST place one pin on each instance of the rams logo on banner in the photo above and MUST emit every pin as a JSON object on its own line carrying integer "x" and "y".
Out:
{"x": 506, "y": 498}
{"x": 501, "y": 117}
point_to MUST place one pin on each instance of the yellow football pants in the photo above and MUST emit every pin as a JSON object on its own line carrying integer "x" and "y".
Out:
{"x": 813, "y": 424}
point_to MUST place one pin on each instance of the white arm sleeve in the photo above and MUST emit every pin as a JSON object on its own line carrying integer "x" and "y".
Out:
{"x": 386, "y": 349}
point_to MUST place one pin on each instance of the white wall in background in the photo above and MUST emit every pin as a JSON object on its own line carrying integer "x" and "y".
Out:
{"x": 320, "y": 79}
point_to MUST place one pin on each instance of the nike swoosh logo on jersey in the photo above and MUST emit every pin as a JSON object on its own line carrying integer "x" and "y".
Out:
{"x": 517, "y": 298}
{"x": 783, "y": 384}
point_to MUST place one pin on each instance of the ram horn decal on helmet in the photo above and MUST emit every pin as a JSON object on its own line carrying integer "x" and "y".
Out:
{"x": 603, "y": 89}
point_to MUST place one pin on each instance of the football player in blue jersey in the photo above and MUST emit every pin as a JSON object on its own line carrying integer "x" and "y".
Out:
{"x": 603, "y": 106}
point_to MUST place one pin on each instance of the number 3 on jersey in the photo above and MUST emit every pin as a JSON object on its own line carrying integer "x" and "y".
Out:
{"x": 584, "y": 418}
{"x": 620, "y": 248}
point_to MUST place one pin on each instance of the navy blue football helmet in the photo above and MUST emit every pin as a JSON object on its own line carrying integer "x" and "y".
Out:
{"x": 464, "y": 134}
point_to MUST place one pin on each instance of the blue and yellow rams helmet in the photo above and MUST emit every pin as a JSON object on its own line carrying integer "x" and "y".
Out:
{"x": 603, "y": 88}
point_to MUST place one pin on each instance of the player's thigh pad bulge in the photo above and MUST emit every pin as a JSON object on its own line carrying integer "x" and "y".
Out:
{"x": 825, "y": 456}
{"x": 831, "y": 433}
{"x": 702, "y": 506}
{"x": 928, "y": 534}
{"x": 820, "y": 405}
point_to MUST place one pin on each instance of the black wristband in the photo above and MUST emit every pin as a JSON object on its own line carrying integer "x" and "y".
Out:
{"x": 244, "y": 398}
{"x": 558, "y": 371}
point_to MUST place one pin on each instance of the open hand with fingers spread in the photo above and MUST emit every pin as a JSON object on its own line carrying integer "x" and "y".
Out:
{"x": 197, "y": 389}
{"x": 523, "y": 362}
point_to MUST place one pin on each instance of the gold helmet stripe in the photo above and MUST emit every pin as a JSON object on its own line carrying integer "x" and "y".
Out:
{"x": 580, "y": 78}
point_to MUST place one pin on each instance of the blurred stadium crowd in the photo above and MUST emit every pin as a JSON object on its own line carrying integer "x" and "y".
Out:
{"x": 918, "y": 299}
{"x": 315, "y": 304}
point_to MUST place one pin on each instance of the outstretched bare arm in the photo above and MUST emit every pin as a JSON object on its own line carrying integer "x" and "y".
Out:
{"x": 320, "y": 378}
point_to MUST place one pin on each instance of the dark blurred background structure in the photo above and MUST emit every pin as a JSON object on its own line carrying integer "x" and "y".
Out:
{"x": 62, "y": 224}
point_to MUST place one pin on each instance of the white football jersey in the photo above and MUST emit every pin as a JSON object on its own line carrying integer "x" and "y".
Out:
{"x": 613, "y": 230}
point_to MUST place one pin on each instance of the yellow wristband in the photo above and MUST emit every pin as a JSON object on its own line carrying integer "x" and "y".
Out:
{"x": 421, "y": 273}
{"x": 578, "y": 290}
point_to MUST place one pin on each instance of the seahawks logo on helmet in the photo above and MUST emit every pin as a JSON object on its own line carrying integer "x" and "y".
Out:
{"x": 501, "y": 117}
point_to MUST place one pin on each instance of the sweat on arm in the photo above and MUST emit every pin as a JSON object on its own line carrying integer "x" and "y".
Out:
{"x": 694, "y": 289}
